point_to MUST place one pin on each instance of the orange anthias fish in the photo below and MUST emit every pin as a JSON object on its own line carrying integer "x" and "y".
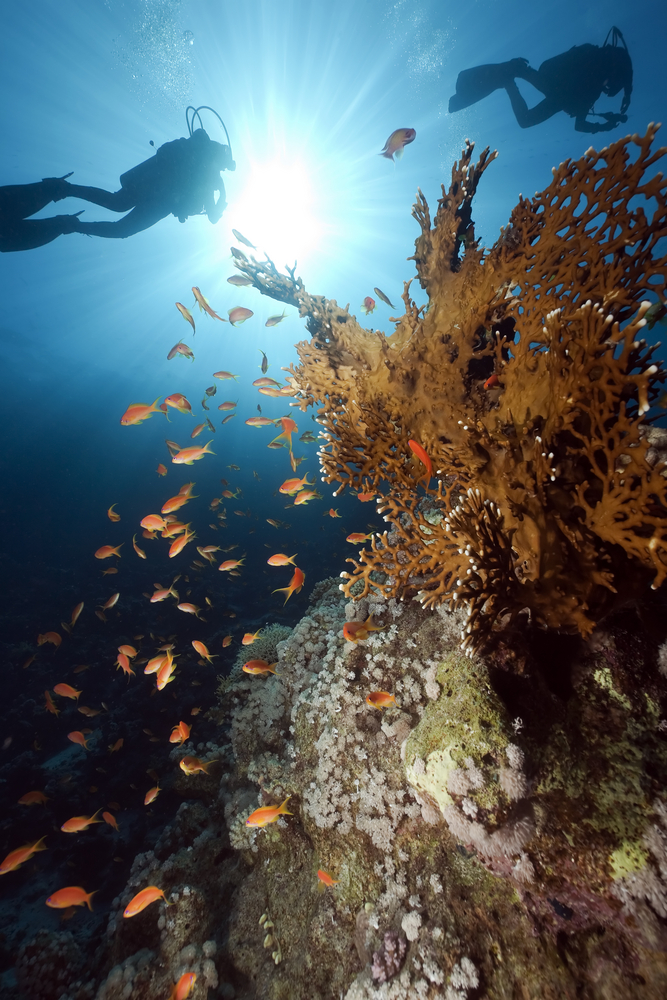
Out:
{"x": 111, "y": 513}
{"x": 250, "y": 637}
{"x": 289, "y": 427}
{"x": 227, "y": 641}
{"x": 175, "y": 503}
{"x": 202, "y": 649}
{"x": 365, "y": 497}
{"x": 137, "y": 412}
{"x": 51, "y": 637}
{"x": 151, "y": 795}
{"x": 292, "y": 486}
{"x": 140, "y": 552}
{"x": 189, "y": 609}
{"x": 295, "y": 584}
{"x": 186, "y": 456}
{"x": 165, "y": 675}
{"x": 331, "y": 512}
{"x": 227, "y": 405}
{"x": 259, "y": 667}
{"x": 358, "y": 631}
{"x": 417, "y": 450}
{"x": 78, "y": 823}
{"x": 268, "y": 814}
{"x": 381, "y": 699}
{"x": 109, "y": 603}
{"x": 33, "y": 799}
{"x": 326, "y": 878}
{"x": 239, "y": 280}
{"x": 180, "y": 733}
{"x": 224, "y": 375}
{"x": 186, "y": 314}
{"x": 110, "y": 819}
{"x": 178, "y": 401}
{"x": 204, "y": 306}
{"x": 229, "y": 564}
{"x": 123, "y": 664}
{"x": 239, "y": 315}
{"x": 106, "y": 551}
{"x": 153, "y": 522}
{"x": 128, "y": 650}
{"x": 144, "y": 899}
{"x": 161, "y": 470}
{"x": 397, "y": 141}
{"x": 75, "y": 614}
{"x": 280, "y": 559}
{"x": 179, "y": 543}
{"x": 274, "y": 320}
{"x": 163, "y": 593}
{"x": 191, "y": 765}
{"x": 180, "y": 348}
{"x": 305, "y": 495}
{"x": 368, "y": 305}
{"x": 181, "y": 990}
{"x": 67, "y": 691}
{"x": 258, "y": 422}
{"x": 71, "y": 895}
{"x": 20, "y": 855}
{"x": 114, "y": 747}
{"x": 50, "y": 704}
{"x": 79, "y": 738}
{"x": 356, "y": 537}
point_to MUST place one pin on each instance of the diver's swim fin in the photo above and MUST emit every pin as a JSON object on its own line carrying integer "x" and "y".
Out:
{"x": 473, "y": 85}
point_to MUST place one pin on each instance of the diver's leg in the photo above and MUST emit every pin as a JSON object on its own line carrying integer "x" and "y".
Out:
{"x": 134, "y": 222}
{"x": 472, "y": 85}
{"x": 17, "y": 201}
{"x": 27, "y": 234}
{"x": 116, "y": 201}
{"x": 525, "y": 116}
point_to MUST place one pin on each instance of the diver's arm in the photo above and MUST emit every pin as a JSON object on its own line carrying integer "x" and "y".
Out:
{"x": 582, "y": 124}
{"x": 214, "y": 210}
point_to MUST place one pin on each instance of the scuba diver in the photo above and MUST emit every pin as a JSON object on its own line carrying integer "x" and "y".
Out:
{"x": 571, "y": 82}
{"x": 181, "y": 179}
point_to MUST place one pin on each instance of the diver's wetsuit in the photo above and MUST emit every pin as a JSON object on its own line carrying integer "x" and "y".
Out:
{"x": 181, "y": 180}
{"x": 571, "y": 82}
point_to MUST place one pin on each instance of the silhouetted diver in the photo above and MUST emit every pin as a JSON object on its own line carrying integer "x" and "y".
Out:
{"x": 181, "y": 179}
{"x": 571, "y": 82}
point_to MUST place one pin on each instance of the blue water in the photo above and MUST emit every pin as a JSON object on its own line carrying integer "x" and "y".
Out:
{"x": 309, "y": 92}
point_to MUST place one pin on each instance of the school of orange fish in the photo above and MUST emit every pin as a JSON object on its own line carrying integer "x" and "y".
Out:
{"x": 167, "y": 525}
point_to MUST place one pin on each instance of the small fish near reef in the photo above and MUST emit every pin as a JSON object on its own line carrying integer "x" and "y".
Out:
{"x": 381, "y": 699}
{"x": 242, "y": 239}
{"x": 239, "y": 315}
{"x": 186, "y": 314}
{"x": 193, "y": 765}
{"x": 183, "y": 987}
{"x": 71, "y": 895}
{"x": 204, "y": 305}
{"x": 259, "y": 667}
{"x": 380, "y": 294}
{"x": 397, "y": 141}
{"x": 325, "y": 878}
{"x": 144, "y": 899}
{"x": 358, "y": 631}
{"x": 294, "y": 586}
{"x": 20, "y": 855}
{"x": 138, "y": 412}
{"x": 368, "y": 305}
{"x": 268, "y": 814}
{"x": 239, "y": 280}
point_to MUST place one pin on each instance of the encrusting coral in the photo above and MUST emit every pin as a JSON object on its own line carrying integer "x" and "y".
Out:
{"x": 524, "y": 387}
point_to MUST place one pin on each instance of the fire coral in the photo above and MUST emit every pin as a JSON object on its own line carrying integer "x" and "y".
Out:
{"x": 526, "y": 384}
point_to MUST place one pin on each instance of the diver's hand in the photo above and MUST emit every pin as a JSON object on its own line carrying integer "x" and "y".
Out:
{"x": 613, "y": 118}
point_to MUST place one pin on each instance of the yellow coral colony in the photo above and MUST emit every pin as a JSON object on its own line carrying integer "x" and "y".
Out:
{"x": 549, "y": 499}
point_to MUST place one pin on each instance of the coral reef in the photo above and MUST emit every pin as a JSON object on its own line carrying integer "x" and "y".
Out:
{"x": 524, "y": 385}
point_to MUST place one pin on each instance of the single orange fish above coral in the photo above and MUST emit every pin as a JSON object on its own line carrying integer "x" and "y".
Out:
{"x": 381, "y": 699}
{"x": 180, "y": 733}
{"x": 151, "y": 795}
{"x": 250, "y": 637}
{"x": 294, "y": 586}
{"x": 181, "y": 990}
{"x": 358, "y": 631}
{"x": 20, "y": 855}
{"x": 268, "y": 814}
{"x": 76, "y": 736}
{"x": 356, "y": 537}
{"x": 71, "y": 895}
{"x": 397, "y": 141}
{"x": 78, "y": 823}
{"x": 366, "y": 497}
{"x": 110, "y": 819}
{"x": 136, "y": 413}
{"x": 202, "y": 649}
{"x": 326, "y": 878}
{"x": 192, "y": 765}
{"x": 368, "y": 305}
{"x": 49, "y": 704}
{"x": 417, "y": 450}
{"x": 259, "y": 667}
{"x": 143, "y": 899}
{"x": 292, "y": 486}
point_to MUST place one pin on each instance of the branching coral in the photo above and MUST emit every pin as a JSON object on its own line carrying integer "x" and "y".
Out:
{"x": 526, "y": 385}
